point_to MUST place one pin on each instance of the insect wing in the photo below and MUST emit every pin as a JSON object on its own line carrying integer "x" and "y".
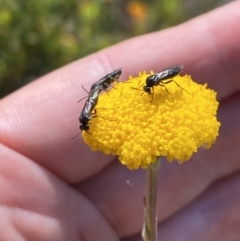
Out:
{"x": 116, "y": 73}
{"x": 169, "y": 72}
{"x": 109, "y": 78}
{"x": 85, "y": 114}
{"x": 94, "y": 95}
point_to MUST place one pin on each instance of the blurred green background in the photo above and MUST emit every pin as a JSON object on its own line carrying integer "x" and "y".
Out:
{"x": 37, "y": 37}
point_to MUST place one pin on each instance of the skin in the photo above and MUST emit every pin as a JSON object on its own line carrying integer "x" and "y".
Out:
{"x": 56, "y": 189}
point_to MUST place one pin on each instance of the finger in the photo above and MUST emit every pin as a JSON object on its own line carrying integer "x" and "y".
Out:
{"x": 39, "y": 120}
{"x": 212, "y": 216}
{"x": 207, "y": 46}
{"x": 35, "y": 205}
{"x": 121, "y": 198}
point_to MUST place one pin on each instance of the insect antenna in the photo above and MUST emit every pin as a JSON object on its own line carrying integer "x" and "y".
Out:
{"x": 138, "y": 88}
{"x": 135, "y": 88}
{"x": 75, "y": 136}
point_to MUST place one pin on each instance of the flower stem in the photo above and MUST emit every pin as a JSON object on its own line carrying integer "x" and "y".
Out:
{"x": 149, "y": 232}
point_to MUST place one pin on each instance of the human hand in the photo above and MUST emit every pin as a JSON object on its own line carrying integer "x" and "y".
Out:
{"x": 56, "y": 189}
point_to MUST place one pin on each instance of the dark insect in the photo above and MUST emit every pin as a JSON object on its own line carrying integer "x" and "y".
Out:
{"x": 86, "y": 114}
{"x": 105, "y": 82}
{"x": 158, "y": 78}
{"x": 97, "y": 87}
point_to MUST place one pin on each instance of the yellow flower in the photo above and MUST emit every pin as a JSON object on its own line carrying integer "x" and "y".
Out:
{"x": 138, "y": 129}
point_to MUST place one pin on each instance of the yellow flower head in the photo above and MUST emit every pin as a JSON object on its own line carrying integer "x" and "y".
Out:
{"x": 139, "y": 127}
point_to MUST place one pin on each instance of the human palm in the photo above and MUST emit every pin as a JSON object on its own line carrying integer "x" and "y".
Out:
{"x": 54, "y": 188}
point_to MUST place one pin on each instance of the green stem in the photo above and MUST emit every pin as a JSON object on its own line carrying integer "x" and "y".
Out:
{"x": 149, "y": 232}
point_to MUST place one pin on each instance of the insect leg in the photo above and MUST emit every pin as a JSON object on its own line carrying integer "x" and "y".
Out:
{"x": 171, "y": 80}
{"x": 85, "y": 96}
{"x": 85, "y": 89}
{"x": 180, "y": 86}
{"x": 82, "y": 99}
{"x": 152, "y": 93}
